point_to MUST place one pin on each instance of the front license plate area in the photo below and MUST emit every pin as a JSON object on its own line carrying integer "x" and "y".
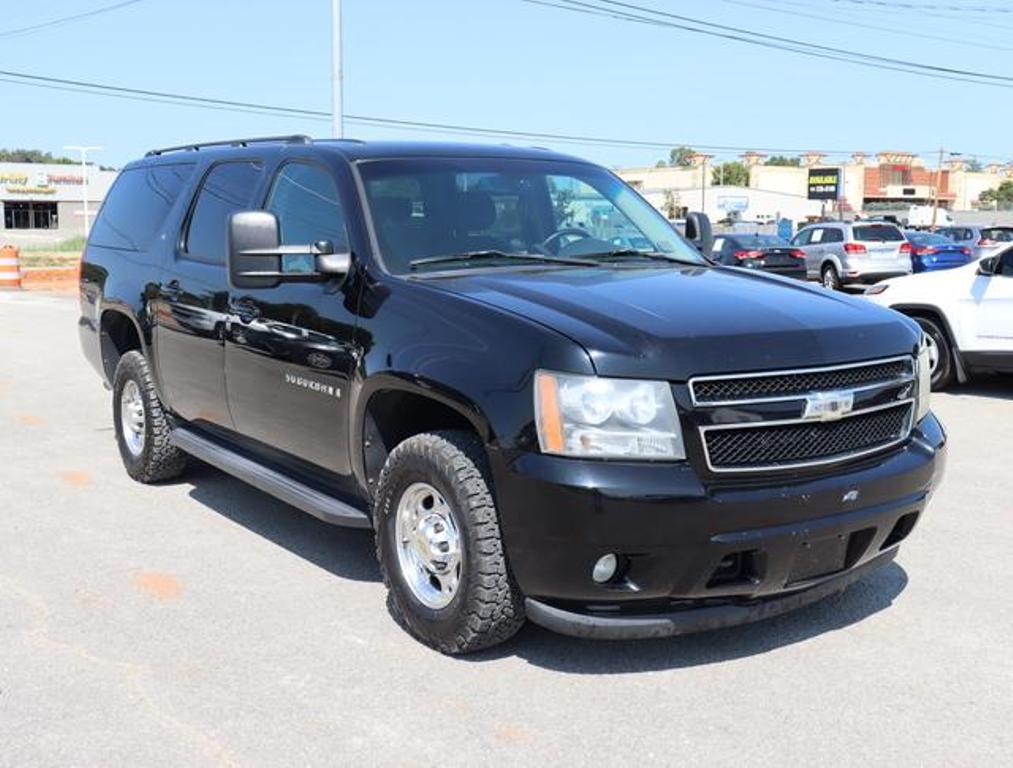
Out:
{"x": 819, "y": 557}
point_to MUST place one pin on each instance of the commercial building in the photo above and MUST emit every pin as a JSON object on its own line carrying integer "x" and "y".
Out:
{"x": 43, "y": 202}
{"x": 888, "y": 181}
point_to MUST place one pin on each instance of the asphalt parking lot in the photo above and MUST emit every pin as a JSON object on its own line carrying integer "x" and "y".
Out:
{"x": 202, "y": 622}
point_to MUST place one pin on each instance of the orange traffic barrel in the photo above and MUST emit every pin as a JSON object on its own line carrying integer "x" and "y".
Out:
{"x": 10, "y": 267}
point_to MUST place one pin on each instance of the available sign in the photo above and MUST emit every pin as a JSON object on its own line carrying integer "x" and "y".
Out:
{"x": 824, "y": 183}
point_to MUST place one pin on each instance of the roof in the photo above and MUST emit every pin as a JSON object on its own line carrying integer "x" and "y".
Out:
{"x": 355, "y": 150}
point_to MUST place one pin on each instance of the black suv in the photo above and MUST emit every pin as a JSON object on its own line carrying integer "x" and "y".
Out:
{"x": 449, "y": 345}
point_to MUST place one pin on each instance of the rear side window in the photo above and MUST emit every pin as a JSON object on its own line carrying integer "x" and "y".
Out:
{"x": 833, "y": 236}
{"x": 877, "y": 233}
{"x": 999, "y": 234}
{"x": 227, "y": 189}
{"x": 136, "y": 207}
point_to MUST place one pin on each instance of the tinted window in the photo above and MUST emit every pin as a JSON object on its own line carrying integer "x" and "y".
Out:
{"x": 833, "y": 236}
{"x": 1006, "y": 264}
{"x": 928, "y": 238}
{"x": 305, "y": 199}
{"x": 999, "y": 234}
{"x": 227, "y": 189}
{"x": 137, "y": 205}
{"x": 877, "y": 233}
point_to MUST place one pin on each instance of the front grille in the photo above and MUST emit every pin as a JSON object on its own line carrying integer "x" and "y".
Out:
{"x": 789, "y": 384}
{"x": 752, "y": 447}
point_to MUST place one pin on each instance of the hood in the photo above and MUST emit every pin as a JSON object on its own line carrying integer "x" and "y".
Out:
{"x": 675, "y": 322}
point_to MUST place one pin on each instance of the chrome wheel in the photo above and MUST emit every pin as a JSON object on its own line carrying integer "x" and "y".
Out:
{"x": 132, "y": 417}
{"x": 933, "y": 353}
{"x": 830, "y": 279}
{"x": 428, "y": 545}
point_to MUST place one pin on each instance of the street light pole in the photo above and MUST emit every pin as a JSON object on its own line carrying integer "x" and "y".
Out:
{"x": 84, "y": 178}
{"x": 336, "y": 105}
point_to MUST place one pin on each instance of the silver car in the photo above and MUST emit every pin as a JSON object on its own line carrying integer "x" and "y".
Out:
{"x": 983, "y": 241}
{"x": 841, "y": 253}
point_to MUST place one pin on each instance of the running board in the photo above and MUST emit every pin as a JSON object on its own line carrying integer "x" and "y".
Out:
{"x": 327, "y": 508}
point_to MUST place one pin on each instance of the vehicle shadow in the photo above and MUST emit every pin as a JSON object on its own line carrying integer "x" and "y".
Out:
{"x": 998, "y": 386}
{"x": 543, "y": 648}
{"x": 349, "y": 554}
{"x": 345, "y": 552}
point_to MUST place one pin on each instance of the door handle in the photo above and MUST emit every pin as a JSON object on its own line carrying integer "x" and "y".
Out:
{"x": 172, "y": 290}
{"x": 245, "y": 311}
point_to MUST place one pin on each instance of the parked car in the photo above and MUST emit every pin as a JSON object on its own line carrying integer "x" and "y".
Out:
{"x": 983, "y": 241}
{"x": 419, "y": 340}
{"x": 931, "y": 251}
{"x": 842, "y": 253}
{"x": 966, "y": 313}
{"x": 765, "y": 252}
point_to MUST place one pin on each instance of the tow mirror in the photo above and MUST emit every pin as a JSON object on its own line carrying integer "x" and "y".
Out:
{"x": 699, "y": 232}
{"x": 256, "y": 259}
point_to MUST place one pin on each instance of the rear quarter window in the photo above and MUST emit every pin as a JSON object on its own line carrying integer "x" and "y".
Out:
{"x": 137, "y": 205}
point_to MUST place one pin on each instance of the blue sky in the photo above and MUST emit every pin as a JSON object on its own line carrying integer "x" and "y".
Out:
{"x": 511, "y": 65}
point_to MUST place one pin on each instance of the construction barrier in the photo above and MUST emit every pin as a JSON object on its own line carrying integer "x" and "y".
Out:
{"x": 10, "y": 267}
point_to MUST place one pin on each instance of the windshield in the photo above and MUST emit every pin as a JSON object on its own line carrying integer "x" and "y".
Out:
{"x": 428, "y": 208}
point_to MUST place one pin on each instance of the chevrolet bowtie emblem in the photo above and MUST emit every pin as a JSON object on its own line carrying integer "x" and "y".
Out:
{"x": 828, "y": 406}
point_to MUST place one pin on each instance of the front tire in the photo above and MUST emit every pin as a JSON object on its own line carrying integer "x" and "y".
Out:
{"x": 940, "y": 353}
{"x": 439, "y": 545}
{"x": 142, "y": 428}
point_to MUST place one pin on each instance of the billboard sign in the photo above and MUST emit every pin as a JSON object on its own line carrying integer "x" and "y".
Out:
{"x": 824, "y": 183}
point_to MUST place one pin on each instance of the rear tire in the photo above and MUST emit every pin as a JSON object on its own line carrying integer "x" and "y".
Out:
{"x": 142, "y": 428}
{"x": 439, "y": 545}
{"x": 944, "y": 370}
{"x": 831, "y": 280}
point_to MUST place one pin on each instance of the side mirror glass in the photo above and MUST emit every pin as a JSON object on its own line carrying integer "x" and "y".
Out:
{"x": 700, "y": 233}
{"x": 257, "y": 260}
{"x": 987, "y": 266}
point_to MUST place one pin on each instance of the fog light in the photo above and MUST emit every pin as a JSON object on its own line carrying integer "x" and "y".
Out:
{"x": 605, "y": 568}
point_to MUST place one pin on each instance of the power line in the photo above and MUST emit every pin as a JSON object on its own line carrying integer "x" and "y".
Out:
{"x": 799, "y": 46}
{"x": 876, "y": 27}
{"x": 67, "y": 19}
{"x": 903, "y": 6}
{"x": 269, "y": 110}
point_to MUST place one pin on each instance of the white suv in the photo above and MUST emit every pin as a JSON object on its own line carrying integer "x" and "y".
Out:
{"x": 967, "y": 314}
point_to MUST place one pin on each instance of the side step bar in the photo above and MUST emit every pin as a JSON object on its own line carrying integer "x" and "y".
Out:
{"x": 283, "y": 487}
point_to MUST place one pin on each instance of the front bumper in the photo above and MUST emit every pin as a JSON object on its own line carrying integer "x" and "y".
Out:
{"x": 697, "y": 555}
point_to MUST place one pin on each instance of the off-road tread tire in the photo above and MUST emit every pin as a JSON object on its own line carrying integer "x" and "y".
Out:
{"x": 160, "y": 460}
{"x": 946, "y": 373}
{"x": 488, "y": 608}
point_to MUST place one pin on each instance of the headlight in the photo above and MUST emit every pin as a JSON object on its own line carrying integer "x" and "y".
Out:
{"x": 923, "y": 370}
{"x": 606, "y": 418}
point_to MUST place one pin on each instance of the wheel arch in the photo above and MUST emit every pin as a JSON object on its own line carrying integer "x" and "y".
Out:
{"x": 390, "y": 408}
{"x": 119, "y": 333}
{"x": 934, "y": 313}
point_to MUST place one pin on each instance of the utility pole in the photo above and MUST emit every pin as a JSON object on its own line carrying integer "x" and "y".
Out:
{"x": 703, "y": 185}
{"x": 84, "y": 178}
{"x": 935, "y": 196}
{"x": 337, "y": 115}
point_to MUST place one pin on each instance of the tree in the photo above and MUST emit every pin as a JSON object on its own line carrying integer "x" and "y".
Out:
{"x": 670, "y": 207}
{"x": 1003, "y": 194}
{"x": 32, "y": 156}
{"x": 681, "y": 157}
{"x": 974, "y": 165}
{"x": 792, "y": 162}
{"x": 733, "y": 174}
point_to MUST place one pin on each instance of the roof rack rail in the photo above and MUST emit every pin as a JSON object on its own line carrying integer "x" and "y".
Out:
{"x": 297, "y": 138}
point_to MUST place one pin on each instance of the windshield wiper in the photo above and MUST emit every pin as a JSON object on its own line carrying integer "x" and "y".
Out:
{"x": 493, "y": 254}
{"x": 633, "y": 252}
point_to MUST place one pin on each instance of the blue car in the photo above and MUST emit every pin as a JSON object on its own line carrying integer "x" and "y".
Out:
{"x": 931, "y": 252}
